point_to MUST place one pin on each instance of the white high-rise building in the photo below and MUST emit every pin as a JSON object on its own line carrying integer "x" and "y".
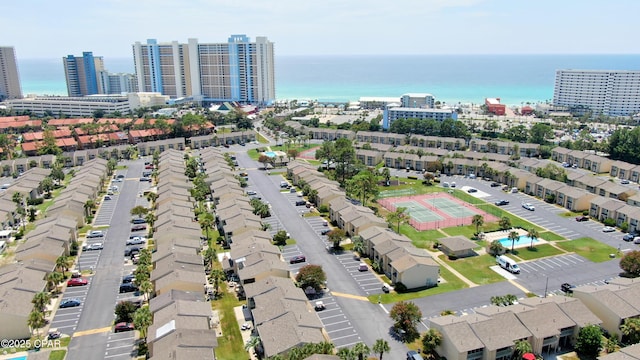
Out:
{"x": 238, "y": 70}
{"x": 9, "y": 79}
{"x": 606, "y": 92}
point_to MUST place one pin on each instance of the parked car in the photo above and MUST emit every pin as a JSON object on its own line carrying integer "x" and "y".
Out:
{"x": 582, "y": 218}
{"x": 624, "y": 181}
{"x": 495, "y": 184}
{"x": 128, "y": 287}
{"x": 629, "y": 236}
{"x": 251, "y": 192}
{"x": 567, "y": 288}
{"x": 107, "y": 197}
{"x": 123, "y": 326}
{"x": 472, "y": 190}
{"x": 144, "y": 178}
{"x": 77, "y": 282}
{"x": 245, "y": 326}
{"x": 148, "y": 167}
{"x": 502, "y": 202}
{"x": 146, "y": 173}
{"x": 529, "y": 206}
{"x": 54, "y": 334}
{"x": 131, "y": 251}
{"x": 386, "y": 288}
{"x": 244, "y": 174}
{"x": 128, "y": 278}
{"x": 297, "y": 259}
{"x": 325, "y": 231}
{"x": 301, "y": 203}
{"x": 319, "y": 306}
{"x": 608, "y": 229}
{"x": 95, "y": 246}
{"x": 636, "y": 240}
{"x": 139, "y": 227}
{"x": 95, "y": 234}
{"x": 137, "y": 240}
{"x": 413, "y": 355}
{"x": 70, "y": 303}
{"x": 139, "y": 220}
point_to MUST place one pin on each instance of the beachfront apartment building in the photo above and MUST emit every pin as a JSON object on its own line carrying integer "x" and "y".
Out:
{"x": 9, "y": 79}
{"x": 393, "y": 112}
{"x": 238, "y": 70}
{"x": 606, "y": 92}
{"x": 413, "y": 100}
{"x": 81, "y": 73}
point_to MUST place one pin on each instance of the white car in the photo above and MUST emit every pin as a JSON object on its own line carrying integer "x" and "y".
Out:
{"x": 529, "y": 206}
{"x": 95, "y": 246}
{"x": 608, "y": 229}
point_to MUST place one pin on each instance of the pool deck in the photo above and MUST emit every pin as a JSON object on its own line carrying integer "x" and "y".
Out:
{"x": 497, "y": 235}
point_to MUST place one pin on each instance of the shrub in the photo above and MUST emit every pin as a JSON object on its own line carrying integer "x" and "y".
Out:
{"x": 609, "y": 222}
{"x": 36, "y": 201}
{"x": 400, "y": 287}
{"x": 323, "y": 209}
{"x": 624, "y": 227}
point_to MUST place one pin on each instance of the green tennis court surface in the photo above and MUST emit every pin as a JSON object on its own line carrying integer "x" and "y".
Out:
{"x": 418, "y": 211}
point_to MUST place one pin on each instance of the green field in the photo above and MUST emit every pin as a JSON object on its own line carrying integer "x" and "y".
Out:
{"x": 539, "y": 251}
{"x": 589, "y": 248}
{"x": 475, "y": 268}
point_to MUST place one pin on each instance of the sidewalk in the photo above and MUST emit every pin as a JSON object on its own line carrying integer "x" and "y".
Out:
{"x": 456, "y": 273}
{"x": 246, "y": 334}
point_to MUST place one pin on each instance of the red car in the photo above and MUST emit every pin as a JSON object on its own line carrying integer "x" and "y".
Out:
{"x": 149, "y": 167}
{"x": 77, "y": 282}
{"x": 123, "y": 326}
{"x": 582, "y": 218}
{"x": 297, "y": 259}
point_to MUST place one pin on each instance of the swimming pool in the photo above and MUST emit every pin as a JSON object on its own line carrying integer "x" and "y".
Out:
{"x": 522, "y": 241}
{"x": 19, "y": 358}
{"x": 270, "y": 154}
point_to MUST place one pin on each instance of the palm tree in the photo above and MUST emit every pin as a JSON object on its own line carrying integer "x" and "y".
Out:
{"x": 53, "y": 279}
{"x": 358, "y": 244}
{"x": 36, "y": 321}
{"x": 207, "y": 221}
{"x": 533, "y": 234}
{"x": 88, "y": 207}
{"x": 210, "y": 255}
{"x": 252, "y": 343}
{"x": 150, "y": 218}
{"x": 361, "y": 350}
{"x": 478, "y": 221}
{"x": 62, "y": 263}
{"x": 147, "y": 288}
{"x": 381, "y": 346}
{"x": 142, "y": 319}
{"x": 41, "y": 300}
{"x": 505, "y": 223}
{"x": 520, "y": 348}
{"x": 346, "y": 354}
{"x": 513, "y": 236}
{"x": 447, "y": 312}
{"x": 496, "y": 247}
{"x": 631, "y": 330}
{"x": 216, "y": 276}
{"x": 398, "y": 217}
{"x": 386, "y": 174}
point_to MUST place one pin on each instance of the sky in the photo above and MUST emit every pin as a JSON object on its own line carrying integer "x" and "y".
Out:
{"x": 56, "y": 28}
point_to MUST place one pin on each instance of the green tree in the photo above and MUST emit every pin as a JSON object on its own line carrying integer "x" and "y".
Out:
{"x": 398, "y": 217}
{"x": 346, "y": 354}
{"x": 311, "y": 276}
{"x": 505, "y": 223}
{"x": 53, "y": 279}
{"x": 47, "y": 185}
{"x": 336, "y": 236}
{"x": 589, "y": 341}
{"x": 280, "y": 238}
{"x": 216, "y": 276}
{"x": 363, "y": 186}
{"x": 430, "y": 341}
{"x": 124, "y": 311}
{"x": 496, "y": 247}
{"x": 513, "y": 236}
{"x": 533, "y": 234}
{"x": 48, "y": 145}
{"x": 264, "y": 160}
{"x": 207, "y": 222}
{"x": 630, "y": 331}
{"x": 540, "y": 133}
{"x": 252, "y": 343}
{"x": 521, "y": 347}
{"x": 386, "y": 175}
{"x": 36, "y": 321}
{"x": 381, "y": 347}
{"x": 210, "y": 256}
{"x": 62, "y": 263}
{"x": 326, "y": 153}
{"x": 361, "y": 350}
{"x": 477, "y": 221}
{"x": 142, "y": 319}
{"x": 41, "y": 300}
{"x": 630, "y": 263}
{"x": 406, "y": 316}
{"x": 146, "y": 287}
{"x": 358, "y": 244}
{"x": 345, "y": 156}
{"x": 139, "y": 211}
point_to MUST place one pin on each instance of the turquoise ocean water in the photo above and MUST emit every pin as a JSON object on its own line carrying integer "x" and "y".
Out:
{"x": 515, "y": 79}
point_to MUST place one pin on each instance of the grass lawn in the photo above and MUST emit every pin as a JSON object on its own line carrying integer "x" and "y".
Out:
{"x": 550, "y": 236}
{"x": 57, "y": 354}
{"x": 451, "y": 283}
{"x": 538, "y": 251}
{"x": 467, "y": 231}
{"x": 314, "y": 162}
{"x": 262, "y": 139}
{"x": 253, "y": 154}
{"x": 420, "y": 239}
{"x": 475, "y": 268}
{"x": 230, "y": 345}
{"x": 589, "y": 248}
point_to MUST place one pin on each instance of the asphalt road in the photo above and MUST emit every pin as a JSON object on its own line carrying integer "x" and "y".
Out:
{"x": 98, "y": 312}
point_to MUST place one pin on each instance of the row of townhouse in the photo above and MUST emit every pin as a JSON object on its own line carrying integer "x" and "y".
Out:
{"x": 29, "y": 187}
{"x": 21, "y": 165}
{"x": 428, "y": 142}
{"x": 548, "y": 323}
{"x": 36, "y": 257}
{"x": 183, "y": 324}
{"x": 282, "y": 316}
{"x": 490, "y": 333}
{"x": 235, "y": 137}
{"x": 584, "y": 160}
{"x": 396, "y": 255}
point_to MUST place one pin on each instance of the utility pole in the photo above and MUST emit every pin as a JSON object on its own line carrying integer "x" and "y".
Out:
{"x": 546, "y": 285}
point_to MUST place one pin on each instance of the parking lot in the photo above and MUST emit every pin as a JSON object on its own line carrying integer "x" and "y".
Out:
{"x": 120, "y": 346}
{"x": 337, "y": 325}
{"x": 66, "y": 319}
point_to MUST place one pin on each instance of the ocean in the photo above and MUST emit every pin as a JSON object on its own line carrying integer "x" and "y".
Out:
{"x": 515, "y": 79}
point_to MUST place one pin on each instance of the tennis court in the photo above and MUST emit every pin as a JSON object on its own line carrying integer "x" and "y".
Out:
{"x": 435, "y": 211}
{"x": 395, "y": 193}
{"x": 418, "y": 211}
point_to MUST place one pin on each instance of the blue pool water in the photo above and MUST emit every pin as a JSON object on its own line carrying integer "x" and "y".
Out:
{"x": 524, "y": 240}
{"x": 270, "y": 154}
{"x": 19, "y": 358}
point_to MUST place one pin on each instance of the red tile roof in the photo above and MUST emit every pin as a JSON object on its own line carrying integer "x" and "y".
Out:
{"x": 115, "y": 121}
{"x": 39, "y": 135}
{"x": 19, "y": 124}
{"x": 64, "y": 122}
{"x": 9, "y": 119}
{"x": 152, "y": 121}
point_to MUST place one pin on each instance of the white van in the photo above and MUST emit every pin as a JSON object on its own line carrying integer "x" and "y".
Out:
{"x": 363, "y": 267}
{"x": 514, "y": 190}
{"x": 508, "y": 264}
{"x": 453, "y": 184}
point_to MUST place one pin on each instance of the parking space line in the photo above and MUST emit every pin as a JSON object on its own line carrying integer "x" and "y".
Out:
{"x": 346, "y": 336}
{"x": 341, "y": 329}
{"x": 92, "y": 331}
